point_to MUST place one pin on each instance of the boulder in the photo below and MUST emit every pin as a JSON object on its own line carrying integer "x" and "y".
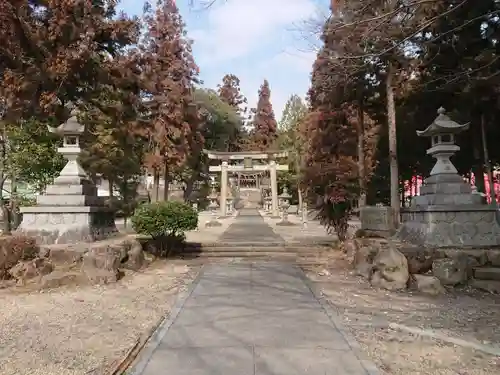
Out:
{"x": 419, "y": 259}
{"x": 14, "y": 249}
{"x": 101, "y": 263}
{"x": 427, "y": 284}
{"x": 451, "y": 271}
{"x": 390, "y": 269}
{"x": 26, "y": 270}
{"x": 363, "y": 257}
{"x": 493, "y": 257}
{"x": 135, "y": 256}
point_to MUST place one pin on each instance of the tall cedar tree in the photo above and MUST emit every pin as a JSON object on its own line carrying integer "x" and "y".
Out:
{"x": 230, "y": 92}
{"x": 330, "y": 171}
{"x": 264, "y": 132}
{"x": 168, "y": 75}
{"x": 57, "y": 51}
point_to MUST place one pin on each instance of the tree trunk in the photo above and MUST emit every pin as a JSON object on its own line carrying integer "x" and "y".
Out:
{"x": 393, "y": 156}
{"x": 188, "y": 191}
{"x": 110, "y": 188}
{"x": 156, "y": 186}
{"x": 361, "y": 152}
{"x": 166, "y": 183}
{"x": 14, "y": 202}
{"x": 487, "y": 163}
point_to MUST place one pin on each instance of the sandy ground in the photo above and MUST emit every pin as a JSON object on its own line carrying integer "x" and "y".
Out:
{"x": 367, "y": 312}
{"x": 85, "y": 330}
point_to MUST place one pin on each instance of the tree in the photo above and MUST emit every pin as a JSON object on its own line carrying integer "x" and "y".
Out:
{"x": 289, "y": 138}
{"x": 263, "y": 134}
{"x": 229, "y": 91}
{"x": 168, "y": 75}
{"x": 53, "y": 52}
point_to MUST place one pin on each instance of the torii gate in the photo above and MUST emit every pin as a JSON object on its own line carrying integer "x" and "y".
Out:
{"x": 248, "y": 157}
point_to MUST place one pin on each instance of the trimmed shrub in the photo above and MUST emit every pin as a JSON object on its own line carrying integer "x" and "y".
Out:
{"x": 164, "y": 219}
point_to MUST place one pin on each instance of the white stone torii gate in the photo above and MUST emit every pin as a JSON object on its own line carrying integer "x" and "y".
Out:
{"x": 224, "y": 168}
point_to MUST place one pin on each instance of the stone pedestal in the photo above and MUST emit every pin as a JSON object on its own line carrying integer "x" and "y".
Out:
{"x": 70, "y": 211}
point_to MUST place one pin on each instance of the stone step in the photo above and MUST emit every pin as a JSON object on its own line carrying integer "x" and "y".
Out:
{"x": 490, "y": 286}
{"x": 241, "y": 254}
{"x": 487, "y": 273}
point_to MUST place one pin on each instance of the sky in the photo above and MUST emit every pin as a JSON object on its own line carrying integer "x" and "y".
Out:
{"x": 255, "y": 40}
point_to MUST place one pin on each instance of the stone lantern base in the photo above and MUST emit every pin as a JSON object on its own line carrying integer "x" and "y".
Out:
{"x": 449, "y": 214}
{"x": 67, "y": 224}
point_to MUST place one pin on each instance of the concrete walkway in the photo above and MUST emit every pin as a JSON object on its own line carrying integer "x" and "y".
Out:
{"x": 250, "y": 227}
{"x": 251, "y": 319}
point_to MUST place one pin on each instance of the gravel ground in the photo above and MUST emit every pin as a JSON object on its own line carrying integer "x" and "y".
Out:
{"x": 367, "y": 312}
{"x": 85, "y": 330}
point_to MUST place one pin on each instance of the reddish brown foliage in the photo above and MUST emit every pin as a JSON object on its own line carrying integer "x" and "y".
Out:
{"x": 264, "y": 133}
{"x": 168, "y": 75}
{"x": 229, "y": 91}
{"x": 57, "y": 50}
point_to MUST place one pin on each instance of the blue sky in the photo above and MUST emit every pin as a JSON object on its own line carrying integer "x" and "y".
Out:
{"x": 255, "y": 40}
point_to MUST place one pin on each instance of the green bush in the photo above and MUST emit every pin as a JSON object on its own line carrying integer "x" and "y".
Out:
{"x": 164, "y": 219}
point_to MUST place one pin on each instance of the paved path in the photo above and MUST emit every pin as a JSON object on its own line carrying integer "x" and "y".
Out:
{"x": 251, "y": 319}
{"x": 250, "y": 227}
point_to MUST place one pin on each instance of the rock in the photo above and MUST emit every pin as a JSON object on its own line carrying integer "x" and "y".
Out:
{"x": 135, "y": 256}
{"x": 14, "y": 249}
{"x": 450, "y": 271}
{"x": 493, "y": 257}
{"x": 427, "y": 284}
{"x": 363, "y": 258}
{"x": 26, "y": 270}
{"x": 486, "y": 285}
{"x": 58, "y": 278}
{"x": 105, "y": 257}
{"x": 419, "y": 258}
{"x": 390, "y": 269}
{"x": 101, "y": 263}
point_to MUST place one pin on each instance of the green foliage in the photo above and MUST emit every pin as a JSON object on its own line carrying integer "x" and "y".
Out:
{"x": 32, "y": 153}
{"x": 163, "y": 219}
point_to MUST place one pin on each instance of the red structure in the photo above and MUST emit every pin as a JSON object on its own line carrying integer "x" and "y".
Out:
{"x": 412, "y": 187}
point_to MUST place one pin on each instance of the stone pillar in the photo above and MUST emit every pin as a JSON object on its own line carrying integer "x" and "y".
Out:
{"x": 274, "y": 188}
{"x": 223, "y": 188}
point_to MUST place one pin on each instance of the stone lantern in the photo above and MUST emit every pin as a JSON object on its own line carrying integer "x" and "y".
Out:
{"x": 285, "y": 205}
{"x": 212, "y": 206}
{"x": 70, "y": 211}
{"x": 448, "y": 212}
{"x": 442, "y": 132}
{"x": 229, "y": 201}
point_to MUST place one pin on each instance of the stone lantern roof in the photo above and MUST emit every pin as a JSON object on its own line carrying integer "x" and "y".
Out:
{"x": 442, "y": 125}
{"x": 70, "y": 127}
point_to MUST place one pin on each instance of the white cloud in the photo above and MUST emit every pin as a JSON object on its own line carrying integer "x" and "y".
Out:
{"x": 237, "y": 27}
{"x": 300, "y": 61}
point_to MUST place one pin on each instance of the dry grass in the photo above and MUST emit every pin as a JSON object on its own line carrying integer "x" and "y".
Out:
{"x": 367, "y": 312}
{"x": 84, "y": 330}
